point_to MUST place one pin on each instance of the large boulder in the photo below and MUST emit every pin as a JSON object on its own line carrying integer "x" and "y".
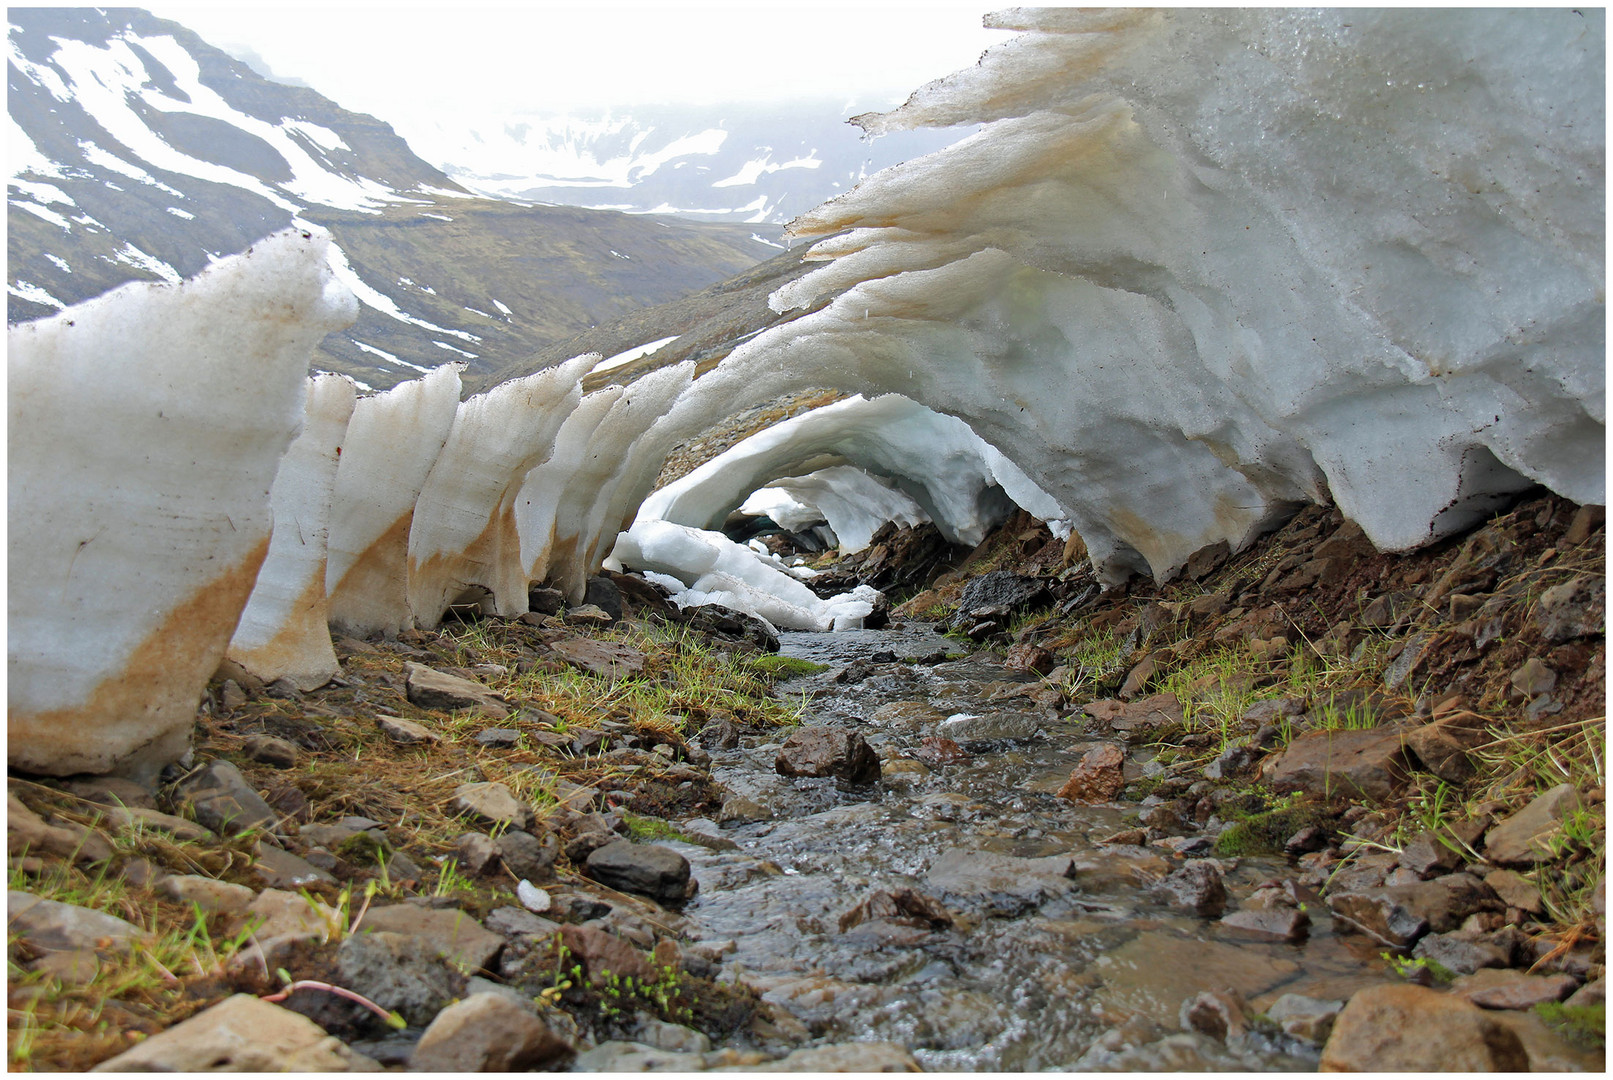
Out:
{"x": 648, "y": 869}
{"x": 1404, "y": 1028}
{"x": 1369, "y": 763}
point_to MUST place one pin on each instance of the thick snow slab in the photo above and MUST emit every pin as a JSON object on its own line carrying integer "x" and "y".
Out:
{"x": 1200, "y": 265}
{"x": 284, "y": 632}
{"x": 146, "y": 427}
{"x": 392, "y": 441}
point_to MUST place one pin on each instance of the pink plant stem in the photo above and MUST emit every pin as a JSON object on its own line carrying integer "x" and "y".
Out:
{"x": 310, "y": 984}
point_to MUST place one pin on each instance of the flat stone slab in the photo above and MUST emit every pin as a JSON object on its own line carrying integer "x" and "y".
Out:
{"x": 456, "y": 936}
{"x": 241, "y": 1034}
{"x": 599, "y": 657}
{"x": 1504, "y": 988}
{"x": 1152, "y": 974}
{"x": 493, "y": 803}
{"x": 432, "y": 689}
{"x": 999, "y": 884}
{"x": 57, "y": 927}
{"x": 1526, "y": 838}
{"x": 1354, "y": 763}
{"x": 405, "y": 732}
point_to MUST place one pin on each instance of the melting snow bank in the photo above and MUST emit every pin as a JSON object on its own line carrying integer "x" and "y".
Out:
{"x": 146, "y": 428}
{"x": 702, "y": 567}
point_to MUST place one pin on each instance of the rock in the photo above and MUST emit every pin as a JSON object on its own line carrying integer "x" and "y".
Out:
{"x": 399, "y": 972}
{"x": 588, "y": 615}
{"x": 224, "y": 802}
{"x": 604, "y": 593}
{"x": 493, "y": 803}
{"x": 113, "y": 791}
{"x": 276, "y": 753}
{"x": 542, "y": 600}
{"x": 75, "y": 967}
{"x": 1218, "y": 1014}
{"x": 241, "y": 1034}
{"x": 277, "y": 869}
{"x": 600, "y": 657}
{"x": 1402, "y": 1028}
{"x": 1139, "y": 721}
{"x": 1368, "y": 763}
{"x": 432, "y": 689}
{"x": 1028, "y": 657}
{"x": 1099, "y": 778}
{"x": 1592, "y": 993}
{"x": 1571, "y": 610}
{"x": 987, "y": 732}
{"x": 283, "y": 912}
{"x": 474, "y": 852}
{"x": 1461, "y": 953}
{"x": 1516, "y": 891}
{"x": 1434, "y": 853}
{"x": 739, "y": 808}
{"x": 1138, "y": 676}
{"x": 1305, "y": 1018}
{"x": 532, "y": 898}
{"x": 937, "y": 751}
{"x": 1442, "y": 747}
{"x": 1497, "y": 988}
{"x": 1533, "y": 679}
{"x": 498, "y": 738}
{"x": 527, "y": 856}
{"x": 1528, "y": 837}
{"x": 405, "y": 732}
{"x": 719, "y": 734}
{"x": 904, "y": 906}
{"x": 1152, "y": 974}
{"x": 998, "y": 884}
{"x": 1237, "y": 759}
{"x": 510, "y": 922}
{"x": 673, "y": 1037}
{"x": 1196, "y": 887}
{"x": 647, "y": 869}
{"x": 57, "y": 927}
{"x": 821, "y": 752}
{"x": 207, "y": 893}
{"x": 1398, "y": 915}
{"x": 999, "y": 590}
{"x": 132, "y": 818}
{"x": 487, "y": 1033}
{"x": 1284, "y": 924}
{"x": 27, "y": 832}
{"x": 603, "y": 955}
{"x": 449, "y": 932}
{"x": 857, "y": 1057}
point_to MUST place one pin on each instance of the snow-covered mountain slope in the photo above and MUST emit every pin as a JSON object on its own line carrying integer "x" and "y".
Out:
{"x": 758, "y": 164}
{"x": 139, "y": 152}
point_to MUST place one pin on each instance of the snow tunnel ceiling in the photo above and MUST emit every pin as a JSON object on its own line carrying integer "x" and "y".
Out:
{"x": 1197, "y": 267}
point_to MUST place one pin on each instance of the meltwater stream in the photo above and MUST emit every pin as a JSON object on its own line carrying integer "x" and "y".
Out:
{"x": 1041, "y": 971}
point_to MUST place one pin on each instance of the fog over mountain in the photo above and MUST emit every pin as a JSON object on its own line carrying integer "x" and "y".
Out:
{"x": 142, "y": 153}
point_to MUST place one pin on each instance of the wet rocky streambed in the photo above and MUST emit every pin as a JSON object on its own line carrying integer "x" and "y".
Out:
{"x": 1061, "y": 952}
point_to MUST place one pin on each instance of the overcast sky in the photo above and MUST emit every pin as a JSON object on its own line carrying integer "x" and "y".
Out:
{"x": 398, "y": 62}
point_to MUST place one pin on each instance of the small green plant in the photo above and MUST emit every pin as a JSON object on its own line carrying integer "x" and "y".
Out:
{"x": 1419, "y": 968}
{"x": 1585, "y": 1026}
{"x": 1265, "y": 831}
{"x": 620, "y": 994}
{"x": 784, "y": 667}
{"x": 648, "y": 828}
{"x": 450, "y": 880}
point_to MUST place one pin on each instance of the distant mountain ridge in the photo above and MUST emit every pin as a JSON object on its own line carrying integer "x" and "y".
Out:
{"x": 140, "y": 152}
{"x": 759, "y": 163}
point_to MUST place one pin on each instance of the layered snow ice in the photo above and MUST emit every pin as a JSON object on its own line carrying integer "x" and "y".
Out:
{"x": 145, "y": 430}
{"x": 1194, "y": 269}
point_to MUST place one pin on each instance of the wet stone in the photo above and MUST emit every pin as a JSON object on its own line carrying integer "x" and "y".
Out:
{"x": 1400, "y": 1028}
{"x": 995, "y": 884}
{"x": 823, "y": 752}
{"x": 1289, "y": 925}
{"x": 1196, "y": 887}
{"x": 647, "y": 869}
{"x": 1099, "y": 777}
{"x": 1462, "y": 953}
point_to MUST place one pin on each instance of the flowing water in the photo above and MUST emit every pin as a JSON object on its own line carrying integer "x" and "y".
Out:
{"x": 1042, "y": 971}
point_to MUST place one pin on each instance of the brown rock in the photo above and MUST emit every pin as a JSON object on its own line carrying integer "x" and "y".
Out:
{"x": 1533, "y": 679}
{"x": 27, "y": 832}
{"x": 454, "y": 935}
{"x": 1284, "y": 924}
{"x": 1028, "y": 657}
{"x": 1138, "y": 676}
{"x": 241, "y": 1034}
{"x": 1515, "y": 890}
{"x": 937, "y": 750}
{"x": 1099, "y": 778}
{"x": 904, "y": 906}
{"x": 603, "y": 955}
{"x": 1196, "y": 887}
{"x": 493, "y": 803}
{"x": 276, "y": 753}
{"x": 1368, "y": 763}
{"x": 1504, "y": 988}
{"x": 1401, "y": 1028}
{"x": 600, "y": 657}
{"x": 405, "y": 732}
{"x": 1398, "y": 915}
{"x": 1571, "y": 610}
{"x": 821, "y": 751}
{"x": 207, "y": 893}
{"x": 1529, "y": 836}
{"x": 488, "y": 1033}
{"x": 1442, "y": 747}
{"x": 431, "y": 689}
{"x": 1139, "y": 720}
